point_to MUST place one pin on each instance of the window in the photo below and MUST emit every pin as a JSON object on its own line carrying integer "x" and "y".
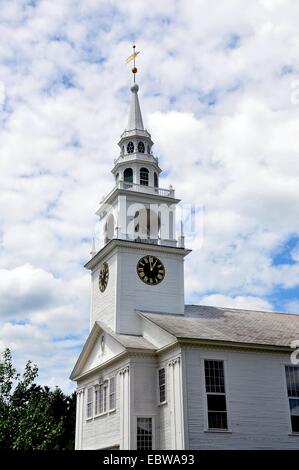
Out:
{"x": 141, "y": 147}
{"x": 109, "y": 228}
{"x": 155, "y": 180}
{"x": 162, "y": 385}
{"x": 112, "y": 394}
{"x": 215, "y": 390}
{"x": 96, "y": 400}
{"x": 128, "y": 175}
{"x": 89, "y": 402}
{"x": 130, "y": 147}
{"x": 144, "y": 434}
{"x": 148, "y": 149}
{"x": 144, "y": 176}
{"x": 101, "y": 398}
{"x": 292, "y": 376}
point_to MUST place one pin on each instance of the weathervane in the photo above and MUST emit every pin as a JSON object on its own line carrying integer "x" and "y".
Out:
{"x": 132, "y": 57}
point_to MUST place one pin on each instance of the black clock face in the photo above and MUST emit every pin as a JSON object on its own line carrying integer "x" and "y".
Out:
{"x": 103, "y": 277}
{"x": 150, "y": 270}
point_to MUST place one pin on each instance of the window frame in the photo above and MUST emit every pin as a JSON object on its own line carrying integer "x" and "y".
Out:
{"x": 139, "y": 145}
{"x": 147, "y": 416}
{"x": 205, "y": 397}
{"x": 126, "y": 181}
{"x": 284, "y": 366}
{"x": 159, "y": 386}
{"x": 91, "y": 402}
{"x": 110, "y": 410}
{"x": 145, "y": 181}
{"x": 129, "y": 146}
{"x": 101, "y": 388}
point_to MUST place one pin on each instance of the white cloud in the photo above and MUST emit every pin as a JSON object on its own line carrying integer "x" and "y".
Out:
{"x": 241, "y": 302}
{"x": 218, "y": 104}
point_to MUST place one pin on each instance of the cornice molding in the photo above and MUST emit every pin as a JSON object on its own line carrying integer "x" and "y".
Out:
{"x": 132, "y": 245}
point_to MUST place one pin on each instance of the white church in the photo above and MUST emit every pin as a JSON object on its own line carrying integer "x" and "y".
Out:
{"x": 155, "y": 373}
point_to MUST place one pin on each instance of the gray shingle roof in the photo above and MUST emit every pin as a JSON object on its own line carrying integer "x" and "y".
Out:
{"x": 230, "y": 325}
{"x": 128, "y": 341}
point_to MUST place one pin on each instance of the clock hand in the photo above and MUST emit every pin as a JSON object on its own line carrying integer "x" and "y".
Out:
{"x": 154, "y": 264}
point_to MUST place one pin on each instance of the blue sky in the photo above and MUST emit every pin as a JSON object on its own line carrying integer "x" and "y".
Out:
{"x": 217, "y": 85}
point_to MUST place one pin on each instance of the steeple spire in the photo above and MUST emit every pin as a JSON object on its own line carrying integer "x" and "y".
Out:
{"x": 135, "y": 117}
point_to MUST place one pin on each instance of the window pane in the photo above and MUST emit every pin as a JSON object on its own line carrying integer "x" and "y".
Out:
{"x": 162, "y": 388}
{"x": 216, "y": 403}
{"x": 112, "y": 394}
{"x": 214, "y": 375}
{"x": 295, "y": 423}
{"x": 130, "y": 147}
{"x": 294, "y": 406}
{"x": 144, "y": 176}
{"x": 104, "y": 398}
{"x": 292, "y": 376}
{"x": 141, "y": 147}
{"x": 96, "y": 401}
{"x": 217, "y": 420}
{"x": 128, "y": 175}
{"x": 162, "y": 394}
{"x": 89, "y": 402}
{"x": 144, "y": 434}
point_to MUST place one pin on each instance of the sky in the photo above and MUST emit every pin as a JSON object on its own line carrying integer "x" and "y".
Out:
{"x": 219, "y": 92}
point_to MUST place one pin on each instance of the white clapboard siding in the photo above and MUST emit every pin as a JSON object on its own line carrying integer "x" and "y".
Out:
{"x": 256, "y": 398}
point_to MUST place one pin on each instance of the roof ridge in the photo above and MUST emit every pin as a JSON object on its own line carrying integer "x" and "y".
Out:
{"x": 243, "y": 310}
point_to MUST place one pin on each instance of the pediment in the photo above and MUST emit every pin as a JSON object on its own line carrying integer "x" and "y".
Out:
{"x": 99, "y": 348}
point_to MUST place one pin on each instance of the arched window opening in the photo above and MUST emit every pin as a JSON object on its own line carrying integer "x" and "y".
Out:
{"x": 123, "y": 149}
{"x": 141, "y": 147}
{"x": 147, "y": 225}
{"x": 128, "y": 175}
{"x": 117, "y": 177}
{"x": 144, "y": 176}
{"x": 148, "y": 149}
{"x": 156, "y": 184}
{"x": 130, "y": 147}
{"x": 109, "y": 228}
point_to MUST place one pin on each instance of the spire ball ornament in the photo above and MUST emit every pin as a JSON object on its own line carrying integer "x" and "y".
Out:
{"x": 134, "y": 88}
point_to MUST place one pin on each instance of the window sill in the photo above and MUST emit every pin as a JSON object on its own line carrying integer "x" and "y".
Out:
{"x": 221, "y": 431}
{"x": 89, "y": 419}
{"x": 296, "y": 434}
{"x": 162, "y": 403}
{"x": 100, "y": 414}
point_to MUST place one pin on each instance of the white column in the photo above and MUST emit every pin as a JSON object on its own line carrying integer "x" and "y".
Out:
{"x": 176, "y": 403}
{"x": 125, "y": 408}
{"x": 79, "y": 419}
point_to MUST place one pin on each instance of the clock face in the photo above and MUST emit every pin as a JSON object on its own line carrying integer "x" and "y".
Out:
{"x": 103, "y": 277}
{"x": 150, "y": 270}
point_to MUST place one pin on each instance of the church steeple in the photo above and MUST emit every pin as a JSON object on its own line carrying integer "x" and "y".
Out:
{"x": 135, "y": 118}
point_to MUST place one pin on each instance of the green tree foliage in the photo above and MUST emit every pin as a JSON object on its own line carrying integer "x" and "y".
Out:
{"x": 33, "y": 417}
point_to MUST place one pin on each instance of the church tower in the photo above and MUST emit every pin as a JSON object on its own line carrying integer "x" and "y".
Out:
{"x": 139, "y": 266}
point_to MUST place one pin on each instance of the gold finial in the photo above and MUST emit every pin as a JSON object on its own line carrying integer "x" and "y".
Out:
{"x": 132, "y": 57}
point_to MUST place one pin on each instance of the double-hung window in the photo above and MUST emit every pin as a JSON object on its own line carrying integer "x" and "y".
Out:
{"x": 162, "y": 385}
{"x": 292, "y": 377}
{"x": 112, "y": 393}
{"x": 144, "y": 433}
{"x": 89, "y": 402}
{"x": 215, "y": 394}
{"x": 103, "y": 397}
